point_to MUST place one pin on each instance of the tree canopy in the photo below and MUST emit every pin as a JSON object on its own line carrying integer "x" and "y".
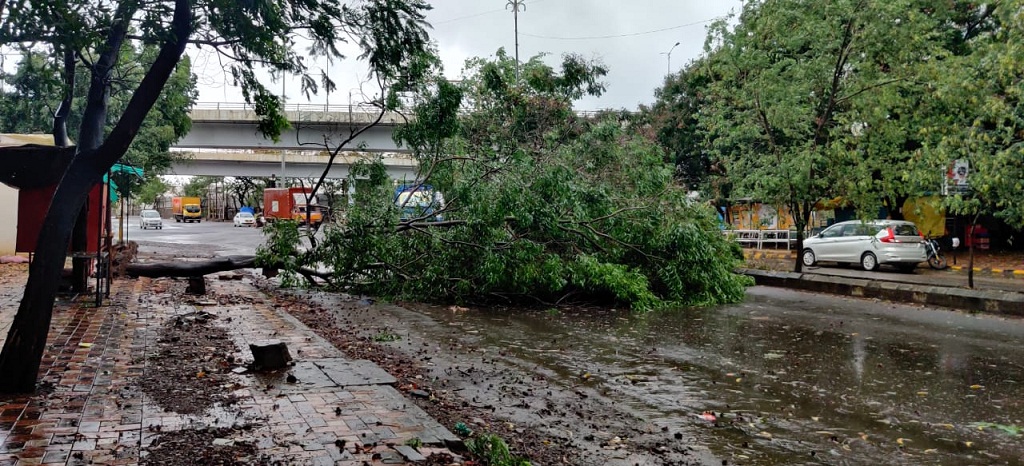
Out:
{"x": 541, "y": 206}
{"x": 983, "y": 95}
{"x": 252, "y": 38}
{"x": 869, "y": 102}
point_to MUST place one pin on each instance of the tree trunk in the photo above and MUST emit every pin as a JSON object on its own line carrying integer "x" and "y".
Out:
{"x": 970, "y": 253}
{"x": 23, "y": 350}
{"x": 801, "y": 217}
{"x": 191, "y": 268}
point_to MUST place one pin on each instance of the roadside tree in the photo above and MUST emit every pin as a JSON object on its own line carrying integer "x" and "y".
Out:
{"x": 984, "y": 95}
{"x": 673, "y": 121}
{"x": 250, "y": 36}
{"x": 793, "y": 85}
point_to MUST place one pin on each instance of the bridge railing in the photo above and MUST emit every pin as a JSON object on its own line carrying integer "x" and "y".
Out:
{"x": 346, "y": 108}
{"x": 357, "y": 109}
{"x": 297, "y": 107}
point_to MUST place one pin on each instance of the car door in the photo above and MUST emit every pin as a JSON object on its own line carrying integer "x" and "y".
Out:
{"x": 826, "y": 247}
{"x": 852, "y": 243}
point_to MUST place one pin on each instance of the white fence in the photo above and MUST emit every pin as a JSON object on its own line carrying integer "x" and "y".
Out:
{"x": 759, "y": 238}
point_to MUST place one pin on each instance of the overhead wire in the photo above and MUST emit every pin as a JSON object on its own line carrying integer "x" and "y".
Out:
{"x": 615, "y": 36}
{"x": 479, "y": 14}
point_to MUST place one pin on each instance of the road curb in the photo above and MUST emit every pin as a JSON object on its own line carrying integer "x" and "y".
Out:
{"x": 986, "y": 301}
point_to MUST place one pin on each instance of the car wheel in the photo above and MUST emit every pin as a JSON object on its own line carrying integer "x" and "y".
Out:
{"x": 808, "y": 258}
{"x": 869, "y": 262}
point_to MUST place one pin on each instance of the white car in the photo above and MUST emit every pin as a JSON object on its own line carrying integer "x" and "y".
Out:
{"x": 150, "y": 219}
{"x": 245, "y": 219}
{"x": 878, "y": 242}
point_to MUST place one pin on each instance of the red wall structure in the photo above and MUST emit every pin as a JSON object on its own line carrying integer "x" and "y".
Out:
{"x": 32, "y": 206}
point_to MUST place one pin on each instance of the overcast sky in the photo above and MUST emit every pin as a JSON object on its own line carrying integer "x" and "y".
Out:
{"x": 631, "y": 38}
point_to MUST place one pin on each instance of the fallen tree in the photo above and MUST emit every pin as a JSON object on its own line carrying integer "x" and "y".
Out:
{"x": 189, "y": 268}
{"x": 541, "y": 206}
{"x": 193, "y": 269}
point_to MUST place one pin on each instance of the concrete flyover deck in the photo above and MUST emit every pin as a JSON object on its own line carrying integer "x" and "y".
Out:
{"x": 235, "y": 126}
{"x": 285, "y": 163}
{"x": 225, "y": 141}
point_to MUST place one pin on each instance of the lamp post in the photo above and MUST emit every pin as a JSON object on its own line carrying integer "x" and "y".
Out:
{"x": 668, "y": 68}
{"x": 516, "y": 6}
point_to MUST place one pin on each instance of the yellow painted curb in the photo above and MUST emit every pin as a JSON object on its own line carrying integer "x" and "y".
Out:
{"x": 956, "y": 267}
{"x": 1018, "y": 272}
{"x": 997, "y": 270}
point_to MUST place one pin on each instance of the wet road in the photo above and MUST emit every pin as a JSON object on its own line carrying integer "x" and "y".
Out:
{"x": 201, "y": 239}
{"x": 790, "y": 377}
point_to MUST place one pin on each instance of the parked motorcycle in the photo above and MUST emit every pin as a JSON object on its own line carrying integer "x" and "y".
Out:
{"x": 935, "y": 258}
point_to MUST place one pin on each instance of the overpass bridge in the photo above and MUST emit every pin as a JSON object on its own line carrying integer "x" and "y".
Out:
{"x": 225, "y": 141}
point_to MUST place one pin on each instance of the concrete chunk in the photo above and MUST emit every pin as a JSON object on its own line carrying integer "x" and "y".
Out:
{"x": 269, "y": 355}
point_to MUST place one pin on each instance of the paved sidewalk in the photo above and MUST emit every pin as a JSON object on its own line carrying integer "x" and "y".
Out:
{"x": 996, "y": 264}
{"x": 338, "y": 411}
{"x": 997, "y": 289}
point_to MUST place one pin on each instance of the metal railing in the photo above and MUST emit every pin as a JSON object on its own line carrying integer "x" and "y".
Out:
{"x": 321, "y": 108}
{"x": 353, "y": 108}
{"x": 758, "y": 238}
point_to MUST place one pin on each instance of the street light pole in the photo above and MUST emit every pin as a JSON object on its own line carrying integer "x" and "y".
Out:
{"x": 668, "y": 67}
{"x": 516, "y": 6}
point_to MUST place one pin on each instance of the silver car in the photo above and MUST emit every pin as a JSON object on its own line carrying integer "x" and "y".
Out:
{"x": 150, "y": 219}
{"x": 245, "y": 219}
{"x": 879, "y": 242}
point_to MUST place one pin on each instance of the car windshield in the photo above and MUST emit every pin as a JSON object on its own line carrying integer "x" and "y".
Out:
{"x": 905, "y": 229}
{"x": 150, "y": 214}
{"x": 244, "y": 215}
{"x": 192, "y": 208}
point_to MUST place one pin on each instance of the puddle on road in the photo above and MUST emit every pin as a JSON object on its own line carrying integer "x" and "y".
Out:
{"x": 792, "y": 380}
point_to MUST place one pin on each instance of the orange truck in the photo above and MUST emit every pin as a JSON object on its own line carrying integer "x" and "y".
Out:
{"x": 186, "y": 209}
{"x": 290, "y": 204}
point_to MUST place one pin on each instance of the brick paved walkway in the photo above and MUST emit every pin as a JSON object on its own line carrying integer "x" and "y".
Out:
{"x": 340, "y": 412}
{"x": 990, "y": 263}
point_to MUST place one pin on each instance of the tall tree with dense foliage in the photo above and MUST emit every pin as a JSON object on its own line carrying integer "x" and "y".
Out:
{"x": 983, "y": 93}
{"x": 673, "y": 120}
{"x": 251, "y": 36}
{"x": 36, "y": 92}
{"x": 541, "y": 206}
{"x": 791, "y": 92}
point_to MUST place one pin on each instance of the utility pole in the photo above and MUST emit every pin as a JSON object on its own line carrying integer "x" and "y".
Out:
{"x": 516, "y": 5}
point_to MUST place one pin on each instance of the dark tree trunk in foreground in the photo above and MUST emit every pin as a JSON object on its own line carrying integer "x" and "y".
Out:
{"x": 23, "y": 350}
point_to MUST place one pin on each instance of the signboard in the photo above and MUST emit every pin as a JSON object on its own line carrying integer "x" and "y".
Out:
{"x": 956, "y": 177}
